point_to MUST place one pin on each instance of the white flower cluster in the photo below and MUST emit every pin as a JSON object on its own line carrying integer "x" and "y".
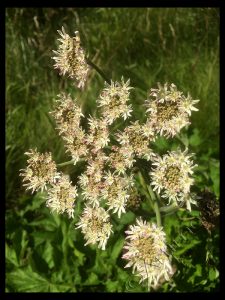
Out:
{"x": 95, "y": 226}
{"x": 171, "y": 176}
{"x": 70, "y": 58}
{"x": 146, "y": 252}
{"x": 40, "y": 172}
{"x": 168, "y": 109}
{"x": 113, "y": 101}
{"x": 107, "y": 183}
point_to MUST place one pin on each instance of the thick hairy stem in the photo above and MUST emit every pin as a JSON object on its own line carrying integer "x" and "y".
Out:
{"x": 100, "y": 72}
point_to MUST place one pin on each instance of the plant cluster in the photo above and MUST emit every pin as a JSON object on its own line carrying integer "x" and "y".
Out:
{"x": 114, "y": 163}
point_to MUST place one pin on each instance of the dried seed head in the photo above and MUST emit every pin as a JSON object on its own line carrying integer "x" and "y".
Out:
{"x": 209, "y": 210}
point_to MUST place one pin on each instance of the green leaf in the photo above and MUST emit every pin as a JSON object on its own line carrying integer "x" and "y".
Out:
{"x": 127, "y": 218}
{"x": 195, "y": 139}
{"x": 186, "y": 248}
{"x": 25, "y": 280}
{"x": 42, "y": 236}
{"x": 213, "y": 274}
{"x": 111, "y": 286}
{"x": 117, "y": 248}
{"x": 11, "y": 256}
{"x": 92, "y": 279}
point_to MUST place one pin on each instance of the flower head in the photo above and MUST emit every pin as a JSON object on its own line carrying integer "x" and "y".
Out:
{"x": 40, "y": 172}
{"x": 171, "y": 176}
{"x": 146, "y": 253}
{"x": 98, "y": 136}
{"x": 121, "y": 158}
{"x": 116, "y": 191}
{"x": 113, "y": 101}
{"x": 61, "y": 196}
{"x": 75, "y": 143}
{"x": 95, "y": 226}
{"x": 91, "y": 181}
{"x": 67, "y": 114}
{"x": 70, "y": 58}
{"x": 135, "y": 136}
{"x": 169, "y": 110}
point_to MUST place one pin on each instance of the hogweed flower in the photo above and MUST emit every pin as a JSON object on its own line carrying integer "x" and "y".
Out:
{"x": 121, "y": 158}
{"x": 171, "y": 176}
{"x": 113, "y": 101}
{"x": 61, "y": 196}
{"x": 91, "y": 190}
{"x": 70, "y": 58}
{"x": 146, "y": 252}
{"x": 95, "y": 226}
{"x": 91, "y": 181}
{"x": 98, "y": 136}
{"x": 40, "y": 172}
{"x": 134, "y": 201}
{"x": 96, "y": 165}
{"x": 135, "y": 136}
{"x": 75, "y": 143}
{"x": 117, "y": 191}
{"x": 169, "y": 110}
{"x": 66, "y": 114}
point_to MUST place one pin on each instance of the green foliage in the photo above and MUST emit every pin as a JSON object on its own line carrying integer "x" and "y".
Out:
{"x": 44, "y": 252}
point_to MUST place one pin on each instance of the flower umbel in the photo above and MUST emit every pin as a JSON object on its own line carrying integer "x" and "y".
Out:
{"x": 135, "y": 136}
{"x": 169, "y": 110}
{"x": 40, "y": 172}
{"x": 66, "y": 114}
{"x": 61, "y": 196}
{"x": 95, "y": 226}
{"x": 171, "y": 176}
{"x": 70, "y": 58}
{"x": 146, "y": 252}
{"x": 116, "y": 191}
{"x": 113, "y": 101}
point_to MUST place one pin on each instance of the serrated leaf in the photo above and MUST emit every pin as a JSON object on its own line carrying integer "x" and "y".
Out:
{"x": 42, "y": 236}
{"x": 10, "y": 255}
{"x": 25, "y": 280}
{"x": 111, "y": 286}
{"x": 92, "y": 279}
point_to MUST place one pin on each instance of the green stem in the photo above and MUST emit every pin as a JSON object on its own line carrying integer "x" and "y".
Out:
{"x": 156, "y": 206}
{"x": 66, "y": 163}
{"x": 169, "y": 208}
{"x": 150, "y": 195}
{"x": 100, "y": 72}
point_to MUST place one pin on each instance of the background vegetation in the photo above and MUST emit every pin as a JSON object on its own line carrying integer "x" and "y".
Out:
{"x": 148, "y": 45}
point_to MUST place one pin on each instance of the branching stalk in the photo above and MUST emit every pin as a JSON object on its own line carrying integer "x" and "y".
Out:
{"x": 100, "y": 72}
